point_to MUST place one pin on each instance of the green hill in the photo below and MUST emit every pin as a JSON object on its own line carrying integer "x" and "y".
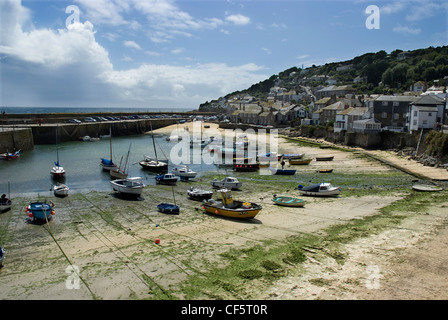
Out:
{"x": 378, "y": 72}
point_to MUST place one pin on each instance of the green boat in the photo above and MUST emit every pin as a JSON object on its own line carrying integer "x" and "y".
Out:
{"x": 288, "y": 201}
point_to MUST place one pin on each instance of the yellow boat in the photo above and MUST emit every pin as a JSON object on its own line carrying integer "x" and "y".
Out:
{"x": 299, "y": 161}
{"x": 228, "y": 207}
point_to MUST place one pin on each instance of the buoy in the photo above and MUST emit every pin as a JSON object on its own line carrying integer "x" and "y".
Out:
{"x": 52, "y": 213}
{"x": 157, "y": 241}
{"x": 157, "y": 225}
{"x": 216, "y": 211}
{"x": 30, "y": 215}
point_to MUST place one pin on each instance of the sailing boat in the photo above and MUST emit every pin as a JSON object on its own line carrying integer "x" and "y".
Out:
{"x": 121, "y": 173}
{"x": 154, "y": 165}
{"x": 108, "y": 164}
{"x": 57, "y": 172}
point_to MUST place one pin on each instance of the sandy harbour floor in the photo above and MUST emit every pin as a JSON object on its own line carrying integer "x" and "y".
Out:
{"x": 110, "y": 241}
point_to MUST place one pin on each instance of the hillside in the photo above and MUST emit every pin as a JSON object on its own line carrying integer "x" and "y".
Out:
{"x": 378, "y": 72}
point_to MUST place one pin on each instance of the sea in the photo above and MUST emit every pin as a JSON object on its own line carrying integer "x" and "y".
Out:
{"x": 30, "y": 174}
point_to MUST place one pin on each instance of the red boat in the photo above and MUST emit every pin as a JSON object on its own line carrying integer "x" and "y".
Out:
{"x": 11, "y": 156}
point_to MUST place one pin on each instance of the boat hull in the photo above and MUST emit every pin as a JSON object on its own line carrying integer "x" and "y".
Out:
{"x": 154, "y": 167}
{"x": 129, "y": 186}
{"x": 199, "y": 195}
{"x": 299, "y": 161}
{"x": 168, "y": 208}
{"x": 237, "y": 214}
{"x": 5, "y": 205}
{"x": 41, "y": 211}
{"x": 288, "y": 201}
{"x": 61, "y": 190}
{"x": 324, "y": 158}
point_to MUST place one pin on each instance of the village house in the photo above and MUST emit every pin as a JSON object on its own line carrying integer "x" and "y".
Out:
{"x": 370, "y": 125}
{"x": 329, "y": 113}
{"x": 427, "y": 112}
{"x": 345, "y": 118}
{"x": 338, "y": 91}
{"x": 391, "y": 111}
{"x": 419, "y": 86}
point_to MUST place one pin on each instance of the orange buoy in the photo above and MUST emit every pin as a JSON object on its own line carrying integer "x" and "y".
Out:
{"x": 52, "y": 213}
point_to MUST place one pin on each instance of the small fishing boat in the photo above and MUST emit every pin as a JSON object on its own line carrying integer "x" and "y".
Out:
{"x": 130, "y": 186}
{"x": 5, "y": 203}
{"x": 288, "y": 201}
{"x": 168, "y": 208}
{"x": 154, "y": 165}
{"x": 323, "y": 189}
{"x": 90, "y": 139}
{"x": 325, "y": 158}
{"x": 296, "y": 161}
{"x": 184, "y": 172}
{"x": 426, "y": 188}
{"x": 228, "y": 183}
{"x": 60, "y": 190}
{"x": 167, "y": 178}
{"x": 325, "y": 170}
{"x": 40, "y": 210}
{"x": 199, "y": 194}
{"x": 230, "y": 208}
{"x": 108, "y": 164}
{"x": 285, "y": 172}
{"x": 293, "y": 155}
{"x": 270, "y": 156}
{"x": 11, "y": 156}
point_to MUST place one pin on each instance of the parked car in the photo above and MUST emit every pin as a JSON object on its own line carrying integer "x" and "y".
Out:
{"x": 74, "y": 121}
{"x": 89, "y": 119}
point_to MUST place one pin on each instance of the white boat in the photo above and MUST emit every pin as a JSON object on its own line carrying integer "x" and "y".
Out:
{"x": 323, "y": 189}
{"x": 90, "y": 139}
{"x": 60, "y": 190}
{"x": 228, "y": 183}
{"x": 199, "y": 194}
{"x": 128, "y": 186}
{"x": 57, "y": 172}
{"x": 184, "y": 172}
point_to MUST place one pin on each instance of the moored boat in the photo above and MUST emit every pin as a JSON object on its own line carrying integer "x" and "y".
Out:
{"x": 60, "y": 190}
{"x": 184, "y": 172}
{"x": 426, "y": 188}
{"x": 288, "y": 201}
{"x": 5, "y": 203}
{"x": 129, "y": 186}
{"x": 2, "y": 256}
{"x": 230, "y": 208}
{"x": 228, "y": 183}
{"x": 11, "y": 156}
{"x": 325, "y": 170}
{"x": 199, "y": 194}
{"x": 292, "y": 155}
{"x": 246, "y": 167}
{"x": 168, "y": 208}
{"x": 167, "y": 178}
{"x": 40, "y": 210}
{"x": 325, "y": 158}
{"x": 285, "y": 172}
{"x": 296, "y": 161}
{"x": 323, "y": 189}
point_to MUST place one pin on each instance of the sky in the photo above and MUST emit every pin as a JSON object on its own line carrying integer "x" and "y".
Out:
{"x": 181, "y": 53}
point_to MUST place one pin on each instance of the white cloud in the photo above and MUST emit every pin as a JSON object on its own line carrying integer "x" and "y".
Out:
{"x": 68, "y": 67}
{"x": 132, "y": 44}
{"x": 406, "y": 30}
{"x": 177, "y": 50}
{"x": 238, "y": 19}
{"x": 266, "y": 50}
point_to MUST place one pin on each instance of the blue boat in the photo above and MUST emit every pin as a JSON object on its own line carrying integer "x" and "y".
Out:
{"x": 41, "y": 211}
{"x": 168, "y": 208}
{"x": 167, "y": 178}
{"x": 285, "y": 172}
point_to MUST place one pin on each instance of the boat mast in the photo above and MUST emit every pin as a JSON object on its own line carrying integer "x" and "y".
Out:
{"x": 153, "y": 142}
{"x": 57, "y": 148}
{"x": 110, "y": 144}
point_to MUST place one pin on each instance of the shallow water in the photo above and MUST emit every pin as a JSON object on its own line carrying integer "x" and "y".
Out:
{"x": 81, "y": 160}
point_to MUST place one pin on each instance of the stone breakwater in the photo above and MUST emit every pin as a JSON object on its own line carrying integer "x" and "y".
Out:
{"x": 24, "y": 137}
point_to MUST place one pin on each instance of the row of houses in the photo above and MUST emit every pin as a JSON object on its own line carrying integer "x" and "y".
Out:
{"x": 339, "y": 106}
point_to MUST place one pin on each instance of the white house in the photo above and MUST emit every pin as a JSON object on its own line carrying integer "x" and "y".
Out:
{"x": 345, "y": 118}
{"x": 425, "y": 112}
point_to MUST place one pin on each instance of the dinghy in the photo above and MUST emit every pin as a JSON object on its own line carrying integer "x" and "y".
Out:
{"x": 288, "y": 201}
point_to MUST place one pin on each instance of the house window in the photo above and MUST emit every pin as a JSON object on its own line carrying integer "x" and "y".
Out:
{"x": 415, "y": 113}
{"x": 396, "y": 103}
{"x": 429, "y": 114}
{"x": 385, "y": 103}
{"x": 384, "y": 115}
{"x": 415, "y": 122}
{"x": 425, "y": 121}
{"x": 396, "y": 116}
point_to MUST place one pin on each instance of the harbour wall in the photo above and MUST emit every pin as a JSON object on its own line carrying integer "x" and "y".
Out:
{"x": 24, "y": 137}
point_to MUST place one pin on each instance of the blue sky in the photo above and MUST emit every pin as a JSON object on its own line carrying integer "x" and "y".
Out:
{"x": 178, "y": 54}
